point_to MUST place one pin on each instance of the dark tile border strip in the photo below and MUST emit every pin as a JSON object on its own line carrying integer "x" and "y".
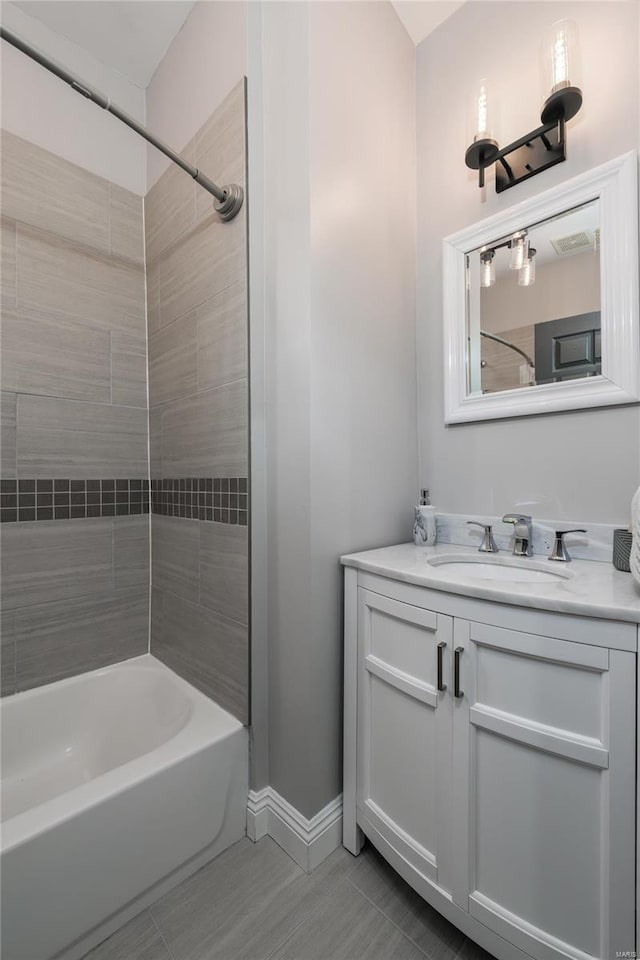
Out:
{"x": 219, "y": 499}
{"x": 43, "y": 499}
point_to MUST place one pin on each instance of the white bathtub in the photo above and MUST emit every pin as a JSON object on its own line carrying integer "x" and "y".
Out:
{"x": 115, "y": 785}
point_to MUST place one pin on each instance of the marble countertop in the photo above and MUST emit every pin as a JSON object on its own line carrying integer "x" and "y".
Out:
{"x": 594, "y": 589}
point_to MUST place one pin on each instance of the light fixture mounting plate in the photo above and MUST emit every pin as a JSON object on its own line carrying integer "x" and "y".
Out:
{"x": 541, "y": 149}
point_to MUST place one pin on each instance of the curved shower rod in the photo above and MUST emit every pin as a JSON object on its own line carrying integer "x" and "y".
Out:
{"x": 506, "y": 343}
{"x": 227, "y": 200}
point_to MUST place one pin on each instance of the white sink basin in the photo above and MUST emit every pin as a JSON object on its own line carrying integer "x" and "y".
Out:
{"x": 504, "y": 570}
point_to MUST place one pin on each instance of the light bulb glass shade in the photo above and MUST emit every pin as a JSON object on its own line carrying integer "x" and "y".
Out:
{"x": 519, "y": 247}
{"x": 560, "y": 55}
{"x": 527, "y": 273}
{"x": 487, "y": 269}
{"x": 479, "y": 116}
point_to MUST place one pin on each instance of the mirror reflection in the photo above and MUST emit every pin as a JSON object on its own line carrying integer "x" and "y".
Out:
{"x": 533, "y": 304}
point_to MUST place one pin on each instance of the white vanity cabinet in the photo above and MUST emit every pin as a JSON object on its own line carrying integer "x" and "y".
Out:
{"x": 490, "y": 755}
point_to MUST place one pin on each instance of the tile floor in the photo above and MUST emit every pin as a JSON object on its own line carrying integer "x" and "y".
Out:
{"x": 254, "y": 903}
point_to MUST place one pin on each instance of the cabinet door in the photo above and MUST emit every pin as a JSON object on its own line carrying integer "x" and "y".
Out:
{"x": 405, "y": 730}
{"x": 544, "y": 792}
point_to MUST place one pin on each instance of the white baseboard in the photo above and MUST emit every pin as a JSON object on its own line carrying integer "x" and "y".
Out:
{"x": 308, "y": 842}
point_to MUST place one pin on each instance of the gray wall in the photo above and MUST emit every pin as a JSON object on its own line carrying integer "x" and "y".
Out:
{"x": 198, "y": 396}
{"x": 75, "y": 538}
{"x": 337, "y": 208}
{"x": 569, "y": 466}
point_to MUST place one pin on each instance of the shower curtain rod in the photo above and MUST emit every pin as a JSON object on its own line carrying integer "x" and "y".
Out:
{"x": 507, "y": 343}
{"x": 228, "y": 200}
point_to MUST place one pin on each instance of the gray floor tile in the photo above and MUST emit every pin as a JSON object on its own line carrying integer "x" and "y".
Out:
{"x": 254, "y": 903}
{"x": 345, "y": 926}
{"x": 374, "y": 878}
{"x": 471, "y": 951}
{"x": 230, "y": 907}
{"x": 139, "y": 939}
{"x": 244, "y": 905}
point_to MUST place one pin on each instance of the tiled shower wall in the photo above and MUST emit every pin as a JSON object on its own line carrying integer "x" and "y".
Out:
{"x": 198, "y": 395}
{"x": 74, "y": 456}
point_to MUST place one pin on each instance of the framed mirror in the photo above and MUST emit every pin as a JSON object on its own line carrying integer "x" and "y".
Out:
{"x": 541, "y": 302}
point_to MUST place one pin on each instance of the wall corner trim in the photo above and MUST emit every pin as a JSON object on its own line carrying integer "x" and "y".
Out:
{"x": 308, "y": 842}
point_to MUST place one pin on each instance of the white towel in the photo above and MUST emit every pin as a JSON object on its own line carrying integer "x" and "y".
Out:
{"x": 635, "y": 543}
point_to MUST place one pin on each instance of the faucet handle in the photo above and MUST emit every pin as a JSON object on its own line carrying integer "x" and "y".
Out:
{"x": 560, "y": 551}
{"x": 488, "y": 544}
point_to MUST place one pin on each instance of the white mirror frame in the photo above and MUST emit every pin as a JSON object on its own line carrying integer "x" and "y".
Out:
{"x": 615, "y": 185}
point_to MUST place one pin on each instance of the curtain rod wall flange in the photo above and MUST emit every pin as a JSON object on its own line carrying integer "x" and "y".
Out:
{"x": 227, "y": 200}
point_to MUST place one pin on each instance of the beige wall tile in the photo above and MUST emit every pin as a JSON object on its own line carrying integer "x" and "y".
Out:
{"x": 201, "y": 264}
{"x": 55, "y": 356}
{"x": 170, "y": 206}
{"x": 104, "y": 293}
{"x": 222, "y": 337}
{"x": 126, "y": 233}
{"x": 131, "y": 551}
{"x": 7, "y": 653}
{"x": 153, "y": 296}
{"x": 8, "y": 435}
{"x": 175, "y": 545}
{"x": 68, "y": 637}
{"x": 173, "y": 361}
{"x": 206, "y": 649}
{"x": 45, "y": 191}
{"x": 155, "y": 441}
{"x": 66, "y": 438}
{"x": 224, "y": 570}
{"x": 206, "y": 435}
{"x": 46, "y": 561}
{"x": 8, "y": 262}
{"x": 128, "y": 369}
{"x": 220, "y": 147}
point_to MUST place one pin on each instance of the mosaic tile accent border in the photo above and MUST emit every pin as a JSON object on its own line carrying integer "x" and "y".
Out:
{"x": 220, "y": 499}
{"x": 40, "y": 499}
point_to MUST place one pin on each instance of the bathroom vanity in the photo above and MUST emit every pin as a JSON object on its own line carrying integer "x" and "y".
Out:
{"x": 490, "y": 742}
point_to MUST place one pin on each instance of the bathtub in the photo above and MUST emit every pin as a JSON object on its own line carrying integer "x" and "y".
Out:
{"x": 115, "y": 786}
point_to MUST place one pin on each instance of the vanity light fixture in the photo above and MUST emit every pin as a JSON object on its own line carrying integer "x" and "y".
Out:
{"x": 527, "y": 273}
{"x": 545, "y": 146}
{"x": 487, "y": 268}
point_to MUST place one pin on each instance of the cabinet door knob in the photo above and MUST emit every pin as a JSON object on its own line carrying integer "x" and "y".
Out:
{"x": 441, "y": 686}
{"x": 457, "y": 692}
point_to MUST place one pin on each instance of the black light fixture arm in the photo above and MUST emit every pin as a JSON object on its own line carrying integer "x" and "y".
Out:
{"x": 529, "y": 155}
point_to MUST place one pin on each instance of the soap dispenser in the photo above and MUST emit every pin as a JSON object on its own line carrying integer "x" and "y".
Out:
{"x": 424, "y": 527}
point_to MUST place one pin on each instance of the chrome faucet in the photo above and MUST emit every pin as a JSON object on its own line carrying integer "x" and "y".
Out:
{"x": 488, "y": 544}
{"x": 522, "y": 546}
{"x": 559, "y": 551}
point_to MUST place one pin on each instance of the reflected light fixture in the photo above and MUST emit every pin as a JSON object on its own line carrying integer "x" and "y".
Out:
{"x": 527, "y": 273}
{"x": 545, "y": 146}
{"x": 487, "y": 268}
{"x": 519, "y": 247}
